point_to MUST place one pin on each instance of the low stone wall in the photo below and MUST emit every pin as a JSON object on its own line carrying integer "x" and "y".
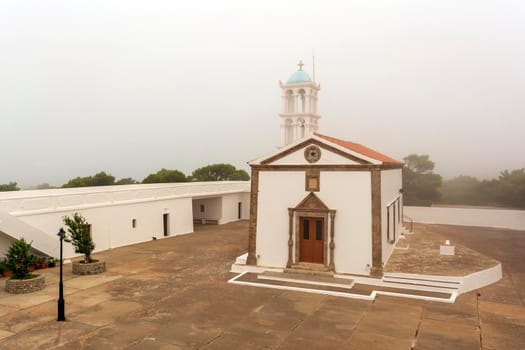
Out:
{"x": 25, "y": 286}
{"x": 93, "y": 268}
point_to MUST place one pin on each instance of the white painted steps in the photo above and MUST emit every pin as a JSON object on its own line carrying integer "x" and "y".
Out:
{"x": 445, "y": 284}
{"x": 342, "y": 287}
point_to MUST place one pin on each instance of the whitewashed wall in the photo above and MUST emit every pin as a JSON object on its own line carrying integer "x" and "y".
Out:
{"x": 111, "y": 226}
{"x": 5, "y": 241}
{"x": 346, "y": 192}
{"x": 391, "y": 183}
{"x": 223, "y": 209}
{"x": 230, "y": 203}
{"x": 110, "y": 210}
{"x": 350, "y": 194}
{"x": 212, "y": 208}
{"x": 272, "y": 214}
{"x": 501, "y": 218}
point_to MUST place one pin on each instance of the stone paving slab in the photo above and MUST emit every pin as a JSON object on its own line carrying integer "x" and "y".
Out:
{"x": 89, "y": 281}
{"x": 177, "y": 297}
{"x": 434, "y": 334}
{"x": 422, "y": 256}
{"x": 4, "y": 334}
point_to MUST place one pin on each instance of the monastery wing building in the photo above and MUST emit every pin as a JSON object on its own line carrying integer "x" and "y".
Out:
{"x": 321, "y": 203}
{"x": 119, "y": 215}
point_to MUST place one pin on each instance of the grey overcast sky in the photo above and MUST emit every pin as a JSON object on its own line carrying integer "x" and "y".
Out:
{"x": 131, "y": 86}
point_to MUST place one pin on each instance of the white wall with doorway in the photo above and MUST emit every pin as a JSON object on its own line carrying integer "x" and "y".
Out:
{"x": 207, "y": 209}
{"x": 235, "y": 206}
{"x": 119, "y": 215}
{"x": 112, "y": 226}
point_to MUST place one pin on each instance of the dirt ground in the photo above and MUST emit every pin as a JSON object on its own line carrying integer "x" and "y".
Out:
{"x": 173, "y": 294}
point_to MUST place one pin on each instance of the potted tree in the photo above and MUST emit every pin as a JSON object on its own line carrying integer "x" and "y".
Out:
{"x": 79, "y": 236}
{"x": 18, "y": 261}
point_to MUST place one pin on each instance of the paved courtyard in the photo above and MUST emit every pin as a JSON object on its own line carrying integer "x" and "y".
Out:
{"x": 172, "y": 294}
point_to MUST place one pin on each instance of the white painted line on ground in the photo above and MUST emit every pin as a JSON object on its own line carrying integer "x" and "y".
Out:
{"x": 372, "y": 296}
{"x": 315, "y": 283}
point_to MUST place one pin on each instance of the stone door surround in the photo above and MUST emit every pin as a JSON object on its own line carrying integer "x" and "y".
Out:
{"x": 311, "y": 206}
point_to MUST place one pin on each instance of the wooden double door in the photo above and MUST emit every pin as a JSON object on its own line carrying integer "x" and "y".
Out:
{"x": 312, "y": 238}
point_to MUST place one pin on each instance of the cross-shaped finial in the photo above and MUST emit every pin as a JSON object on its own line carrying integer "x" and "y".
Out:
{"x": 300, "y": 64}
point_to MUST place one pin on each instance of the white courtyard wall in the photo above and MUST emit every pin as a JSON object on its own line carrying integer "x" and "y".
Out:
{"x": 346, "y": 192}
{"x": 110, "y": 210}
{"x": 5, "y": 242}
{"x": 230, "y": 207}
{"x": 391, "y": 183}
{"x": 111, "y": 226}
{"x": 212, "y": 208}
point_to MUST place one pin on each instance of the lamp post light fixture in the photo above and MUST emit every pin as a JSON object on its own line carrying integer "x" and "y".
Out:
{"x": 61, "y": 316}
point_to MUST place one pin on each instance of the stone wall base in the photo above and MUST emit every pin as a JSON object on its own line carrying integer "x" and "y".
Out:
{"x": 25, "y": 286}
{"x": 92, "y": 268}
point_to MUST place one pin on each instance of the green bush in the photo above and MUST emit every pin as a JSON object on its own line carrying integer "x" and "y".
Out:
{"x": 51, "y": 262}
{"x": 78, "y": 235}
{"x": 19, "y": 259}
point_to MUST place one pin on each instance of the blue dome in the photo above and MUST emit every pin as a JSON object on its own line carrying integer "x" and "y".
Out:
{"x": 299, "y": 77}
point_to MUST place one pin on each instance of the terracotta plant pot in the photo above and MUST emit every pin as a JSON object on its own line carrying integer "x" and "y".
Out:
{"x": 31, "y": 268}
{"x": 7, "y": 273}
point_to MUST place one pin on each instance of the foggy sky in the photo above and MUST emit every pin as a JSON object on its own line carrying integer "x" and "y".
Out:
{"x": 131, "y": 86}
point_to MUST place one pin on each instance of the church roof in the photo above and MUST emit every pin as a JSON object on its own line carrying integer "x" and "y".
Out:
{"x": 300, "y": 76}
{"x": 358, "y": 148}
{"x": 355, "y": 151}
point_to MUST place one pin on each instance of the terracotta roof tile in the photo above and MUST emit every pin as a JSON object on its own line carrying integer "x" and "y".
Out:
{"x": 355, "y": 147}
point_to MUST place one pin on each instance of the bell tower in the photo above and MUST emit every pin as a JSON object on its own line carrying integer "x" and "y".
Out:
{"x": 299, "y": 118}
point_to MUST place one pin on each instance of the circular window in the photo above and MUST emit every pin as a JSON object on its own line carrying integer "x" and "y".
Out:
{"x": 312, "y": 154}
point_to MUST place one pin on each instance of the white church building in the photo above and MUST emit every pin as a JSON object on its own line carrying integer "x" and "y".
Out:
{"x": 318, "y": 202}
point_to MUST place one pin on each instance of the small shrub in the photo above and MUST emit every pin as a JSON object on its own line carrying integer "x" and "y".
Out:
{"x": 78, "y": 236}
{"x": 51, "y": 262}
{"x": 19, "y": 259}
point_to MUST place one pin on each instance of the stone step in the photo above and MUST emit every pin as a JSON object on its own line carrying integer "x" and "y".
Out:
{"x": 357, "y": 291}
{"x": 422, "y": 281}
{"x": 320, "y": 280}
{"x": 419, "y": 287}
{"x": 309, "y": 269}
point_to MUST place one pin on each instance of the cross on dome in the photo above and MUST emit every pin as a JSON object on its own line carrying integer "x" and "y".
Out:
{"x": 300, "y": 64}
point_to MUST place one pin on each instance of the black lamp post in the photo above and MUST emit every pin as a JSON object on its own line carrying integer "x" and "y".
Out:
{"x": 61, "y": 317}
